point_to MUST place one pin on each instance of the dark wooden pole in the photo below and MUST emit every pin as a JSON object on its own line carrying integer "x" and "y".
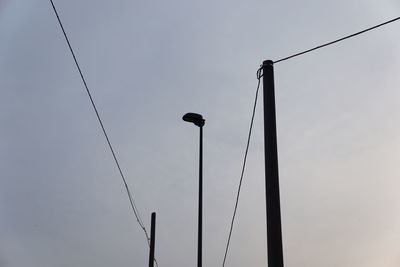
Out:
{"x": 274, "y": 231}
{"x": 152, "y": 239}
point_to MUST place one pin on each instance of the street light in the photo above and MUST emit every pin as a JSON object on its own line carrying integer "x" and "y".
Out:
{"x": 198, "y": 120}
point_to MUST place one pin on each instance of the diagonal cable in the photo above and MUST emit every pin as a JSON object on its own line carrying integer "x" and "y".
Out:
{"x": 336, "y": 41}
{"x": 259, "y": 75}
{"x": 131, "y": 200}
{"x": 243, "y": 168}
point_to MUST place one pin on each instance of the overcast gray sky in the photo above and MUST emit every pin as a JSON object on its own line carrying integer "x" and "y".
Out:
{"x": 147, "y": 63}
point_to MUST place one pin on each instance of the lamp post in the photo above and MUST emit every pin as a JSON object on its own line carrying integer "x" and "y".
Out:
{"x": 198, "y": 120}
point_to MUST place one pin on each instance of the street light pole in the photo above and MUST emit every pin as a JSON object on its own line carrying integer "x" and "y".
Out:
{"x": 198, "y": 120}
{"x": 200, "y": 222}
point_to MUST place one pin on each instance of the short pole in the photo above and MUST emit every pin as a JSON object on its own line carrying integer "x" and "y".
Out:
{"x": 152, "y": 239}
{"x": 274, "y": 231}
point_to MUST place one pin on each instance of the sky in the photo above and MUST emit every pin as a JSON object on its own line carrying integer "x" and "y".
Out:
{"x": 62, "y": 202}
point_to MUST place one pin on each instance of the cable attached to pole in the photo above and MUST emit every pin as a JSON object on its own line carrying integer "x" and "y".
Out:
{"x": 259, "y": 75}
{"x": 336, "y": 41}
{"x": 131, "y": 200}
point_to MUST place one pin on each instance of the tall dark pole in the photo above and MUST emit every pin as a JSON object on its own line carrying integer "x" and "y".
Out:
{"x": 274, "y": 229}
{"x": 152, "y": 239}
{"x": 200, "y": 230}
{"x": 198, "y": 120}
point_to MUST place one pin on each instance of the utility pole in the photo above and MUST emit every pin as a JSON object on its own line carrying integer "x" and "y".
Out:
{"x": 274, "y": 229}
{"x": 152, "y": 239}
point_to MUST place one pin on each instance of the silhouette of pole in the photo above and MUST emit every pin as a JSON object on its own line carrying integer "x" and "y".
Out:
{"x": 274, "y": 231}
{"x": 198, "y": 120}
{"x": 152, "y": 239}
{"x": 200, "y": 222}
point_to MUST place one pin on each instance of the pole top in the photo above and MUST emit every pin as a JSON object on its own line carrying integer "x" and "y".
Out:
{"x": 268, "y": 63}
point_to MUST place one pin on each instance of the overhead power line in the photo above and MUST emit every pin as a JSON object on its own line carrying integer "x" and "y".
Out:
{"x": 259, "y": 75}
{"x": 243, "y": 168}
{"x": 336, "y": 41}
{"x": 128, "y": 191}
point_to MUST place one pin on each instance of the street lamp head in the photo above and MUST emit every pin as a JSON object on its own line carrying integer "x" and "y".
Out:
{"x": 195, "y": 118}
